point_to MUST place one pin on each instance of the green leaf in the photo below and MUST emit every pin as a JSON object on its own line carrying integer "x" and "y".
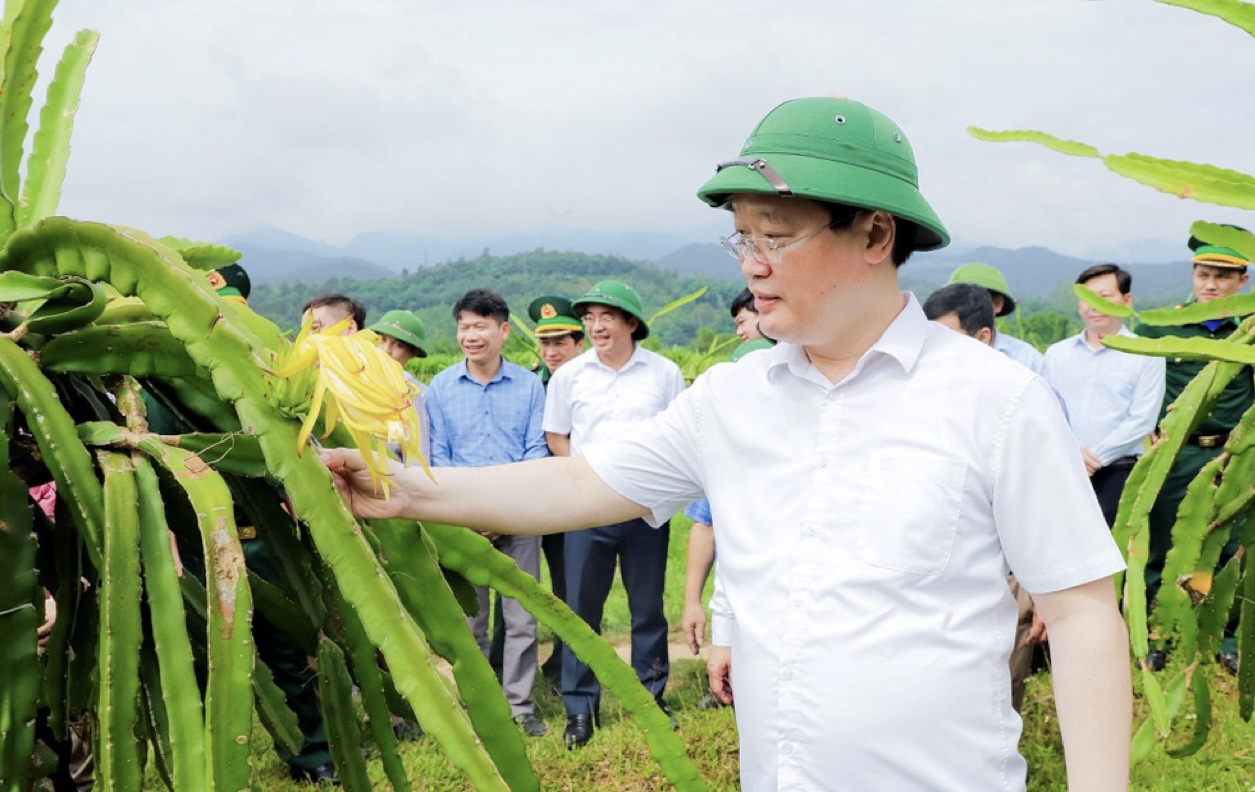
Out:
{"x": 1235, "y": 305}
{"x": 671, "y": 306}
{"x": 1224, "y": 236}
{"x": 202, "y": 255}
{"x": 1198, "y": 182}
{"x": 1071, "y": 147}
{"x": 524, "y": 333}
{"x": 1155, "y": 700}
{"x": 1093, "y": 300}
{"x": 20, "y": 287}
{"x": 25, "y": 46}
{"x": 1184, "y": 348}
{"x": 1240, "y": 15}
{"x": 50, "y": 148}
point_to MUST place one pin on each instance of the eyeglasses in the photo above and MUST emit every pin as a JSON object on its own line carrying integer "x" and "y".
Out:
{"x": 765, "y": 249}
{"x": 607, "y": 319}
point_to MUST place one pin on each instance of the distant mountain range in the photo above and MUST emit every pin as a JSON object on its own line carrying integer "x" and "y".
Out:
{"x": 275, "y": 256}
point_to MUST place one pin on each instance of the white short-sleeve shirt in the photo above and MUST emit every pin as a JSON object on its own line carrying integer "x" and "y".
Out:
{"x": 589, "y": 400}
{"x": 865, "y": 531}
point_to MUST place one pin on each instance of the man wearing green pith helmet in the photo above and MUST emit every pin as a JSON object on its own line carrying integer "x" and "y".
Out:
{"x": 991, "y": 279}
{"x": 1217, "y": 272}
{"x": 873, "y": 477}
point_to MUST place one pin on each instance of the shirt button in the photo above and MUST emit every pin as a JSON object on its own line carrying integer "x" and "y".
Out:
{"x": 787, "y": 675}
{"x": 823, "y": 462}
{"x": 808, "y": 530}
{"x": 787, "y": 749}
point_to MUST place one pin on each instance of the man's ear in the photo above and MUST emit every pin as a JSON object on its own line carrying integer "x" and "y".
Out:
{"x": 505, "y": 329}
{"x": 881, "y": 231}
{"x": 985, "y": 335}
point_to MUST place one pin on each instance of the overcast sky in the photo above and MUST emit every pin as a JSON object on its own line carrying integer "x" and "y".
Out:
{"x": 207, "y": 117}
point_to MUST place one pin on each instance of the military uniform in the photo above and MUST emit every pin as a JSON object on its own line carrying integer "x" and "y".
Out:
{"x": 1203, "y": 445}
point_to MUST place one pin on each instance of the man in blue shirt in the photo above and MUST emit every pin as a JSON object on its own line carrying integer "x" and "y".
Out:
{"x": 1112, "y": 397}
{"x": 487, "y": 411}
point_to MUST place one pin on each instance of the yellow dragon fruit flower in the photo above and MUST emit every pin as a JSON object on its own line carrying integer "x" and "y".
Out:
{"x": 360, "y": 386}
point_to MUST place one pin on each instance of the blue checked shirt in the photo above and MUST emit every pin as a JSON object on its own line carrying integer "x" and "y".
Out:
{"x": 476, "y": 425}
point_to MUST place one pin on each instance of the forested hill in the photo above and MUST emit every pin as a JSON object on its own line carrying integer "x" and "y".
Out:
{"x": 520, "y": 278}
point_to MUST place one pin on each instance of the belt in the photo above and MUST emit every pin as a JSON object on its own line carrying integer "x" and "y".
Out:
{"x": 245, "y": 532}
{"x": 1208, "y": 441}
{"x": 1122, "y": 463}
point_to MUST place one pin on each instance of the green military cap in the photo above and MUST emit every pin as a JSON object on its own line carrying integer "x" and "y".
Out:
{"x": 616, "y": 294}
{"x": 1218, "y": 255}
{"x": 403, "y": 326}
{"x": 988, "y": 277}
{"x": 553, "y": 315}
{"x": 831, "y": 149}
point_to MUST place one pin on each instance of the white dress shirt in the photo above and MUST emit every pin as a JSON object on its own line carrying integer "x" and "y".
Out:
{"x": 1020, "y": 351}
{"x": 1113, "y": 398}
{"x": 589, "y": 400}
{"x": 865, "y": 531}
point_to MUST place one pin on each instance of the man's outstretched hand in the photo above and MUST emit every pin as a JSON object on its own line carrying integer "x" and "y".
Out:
{"x": 355, "y": 484}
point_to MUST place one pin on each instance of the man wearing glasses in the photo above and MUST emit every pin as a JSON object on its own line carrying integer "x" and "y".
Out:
{"x": 873, "y": 477}
{"x": 590, "y": 399}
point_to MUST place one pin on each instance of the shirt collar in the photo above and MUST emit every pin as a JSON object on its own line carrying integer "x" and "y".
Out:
{"x": 465, "y": 372}
{"x": 902, "y": 341}
{"x": 1079, "y": 338}
{"x": 632, "y": 360}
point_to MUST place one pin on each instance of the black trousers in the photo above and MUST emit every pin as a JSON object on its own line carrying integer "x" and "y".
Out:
{"x": 1108, "y": 484}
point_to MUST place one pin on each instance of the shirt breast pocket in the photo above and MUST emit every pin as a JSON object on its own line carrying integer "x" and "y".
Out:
{"x": 912, "y": 512}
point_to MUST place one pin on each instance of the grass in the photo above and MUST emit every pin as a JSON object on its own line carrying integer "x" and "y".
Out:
{"x": 617, "y": 758}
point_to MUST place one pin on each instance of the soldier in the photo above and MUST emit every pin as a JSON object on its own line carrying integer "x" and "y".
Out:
{"x": 1217, "y": 272}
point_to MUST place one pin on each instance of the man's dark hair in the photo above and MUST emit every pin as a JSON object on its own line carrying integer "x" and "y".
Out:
{"x": 483, "y": 302}
{"x": 841, "y": 216}
{"x": 1124, "y": 279}
{"x": 743, "y": 300}
{"x": 344, "y": 303}
{"x": 967, "y": 300}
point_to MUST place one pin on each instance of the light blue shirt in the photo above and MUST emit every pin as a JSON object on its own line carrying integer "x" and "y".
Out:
{"x": 1019, "y": 351}
{"x": 1113, "y": 398}
{"x": 699, "y": 511}
{"x": 476, "y": 425}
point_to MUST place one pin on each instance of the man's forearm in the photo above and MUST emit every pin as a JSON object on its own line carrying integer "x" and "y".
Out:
{"x": 700, "y": 558}
{"x": 535, "y": 497}
{"x": 1093, "y": 692}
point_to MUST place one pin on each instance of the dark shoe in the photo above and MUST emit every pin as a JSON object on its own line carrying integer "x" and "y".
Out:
{"x": 407, "y": 732}
{"x": 1230, "y": 662}
{"x": 532, "y": 726}
{"x": 322, "y": 774}
{"x": 1156, "y": 659}
{"x": 579, "y": 730}
{"x": 675, "y": 724}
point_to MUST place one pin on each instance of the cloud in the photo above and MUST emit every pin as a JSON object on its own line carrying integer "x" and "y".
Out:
{"x": 331, "y": 119}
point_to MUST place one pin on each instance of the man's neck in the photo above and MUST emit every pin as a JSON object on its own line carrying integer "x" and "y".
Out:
{"x": 617, "y": 358}
{"x": 484, "y": 372}
{"x": 860, "y": 329}
{"x": 1094, "y": 337}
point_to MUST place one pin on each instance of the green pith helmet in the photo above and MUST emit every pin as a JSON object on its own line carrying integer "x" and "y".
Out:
{"x": 746, "y": 347}
{"x": 553, "y": 315}
{"x": 616, "y": 294}
{"x": 835, "y": 150}
{"x": 988, "y": 277}
{"x": 403, "y": 326}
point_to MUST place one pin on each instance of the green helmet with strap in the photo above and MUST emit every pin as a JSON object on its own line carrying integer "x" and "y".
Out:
{"x": 988, "y": 277}
{"x": 616, "y": 294}
{"x": 834, "y": 150}
{"x": 403, "y": 326}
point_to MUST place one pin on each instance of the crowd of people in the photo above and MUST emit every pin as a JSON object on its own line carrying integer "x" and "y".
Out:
{"x": 898, "y": 500}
